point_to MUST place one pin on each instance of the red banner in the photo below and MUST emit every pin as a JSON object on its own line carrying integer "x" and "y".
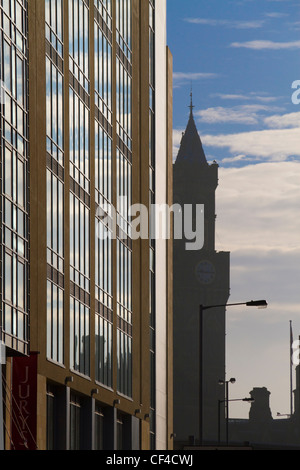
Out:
{"x": 24, "y": 403}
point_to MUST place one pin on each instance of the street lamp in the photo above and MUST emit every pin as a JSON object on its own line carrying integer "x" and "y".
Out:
{"x": 249, "y": 400}
{"x": 253, "y": 303}
{"x": 226, "y": 383}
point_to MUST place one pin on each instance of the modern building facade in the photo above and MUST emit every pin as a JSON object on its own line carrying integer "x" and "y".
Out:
{"x": 201, "y": 277}
{"x": 86, "y": 131}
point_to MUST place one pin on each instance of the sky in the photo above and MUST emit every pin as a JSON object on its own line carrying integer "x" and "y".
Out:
{"x": 241, "y": 59}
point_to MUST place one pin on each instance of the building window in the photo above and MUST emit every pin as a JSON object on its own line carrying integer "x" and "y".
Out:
{"x": 79, "y": 41}
{"x": 55, "y": 323}
{"x": 124, "y": 276}
{"x": 124, "y": 282}
{"x": 103, "y": 167}
{"x": 75, "y": 422}
{"x": 79, "y": 337}
{"x": 79, "y": 141}
{"x": 104, "y": 351}
{"x": 124, "y": 363}
{"x": 103, "y": 265}
{"x": 54, "y": 112}
{"x": 55, "y": 222}
{"x": 14, "y": 171}
{"x": 15, "y": 316}
{"x": 54, "y": 179}
{"x": 79, "y": 243}
{"x": 15, "y": 22}
{"x": 103, "y": 73}
{"x": 103, "y": 257}
{"x": 99, "y": 428}
{"x": 54, "y": 24}
{"x": 104, "y": 7}
{"x": 120, "y": 432}
{"x": 124, "y": 193}
{"x": 50, "y": 418}
{"x": 123, "y": 71}
{"x": 124, "y": 104}
{"x": 124, "y": 26}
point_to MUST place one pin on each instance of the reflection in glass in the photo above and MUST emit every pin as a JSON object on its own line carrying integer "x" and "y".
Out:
{"x": 79, "y": 140}
{"x": 54, "y": 24}
{"x": 104, "y": 351}
{"x": 79, "y": 337}
{"x": 13, "y": 143}
{"x": 103, "y": 73}
{"x": 55, "y": 220}
{"x": 79, "y": 242}
{"x": 55, "y": 323}
{"x": 79, "y": 41}
{"x": 124, "y": 363}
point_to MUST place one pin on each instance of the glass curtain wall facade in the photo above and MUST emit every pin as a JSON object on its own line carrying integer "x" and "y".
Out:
{"x": 103, "y": 67}
{"x": 14, "y": 171}
{"x": 80, "y": 107}
{"x": 80, "y": 175}
{"x": 55, "y": 179}
{"x": 124, "y": 194}
{"x": 80, "y": 197}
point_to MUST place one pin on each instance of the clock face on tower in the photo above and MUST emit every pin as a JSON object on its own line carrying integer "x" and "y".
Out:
{"x": 205, "y": 272}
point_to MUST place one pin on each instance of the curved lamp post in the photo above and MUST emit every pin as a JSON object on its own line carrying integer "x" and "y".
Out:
{"x": 202, "y": 308}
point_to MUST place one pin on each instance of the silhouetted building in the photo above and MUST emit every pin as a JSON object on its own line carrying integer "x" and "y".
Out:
{"x": 261, "y": 430}
{"x": 200, "y": 277}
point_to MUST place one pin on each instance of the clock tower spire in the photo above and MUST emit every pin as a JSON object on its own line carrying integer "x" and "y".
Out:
{"x": 200, "y": 278}
{"x": 191, "y": 103}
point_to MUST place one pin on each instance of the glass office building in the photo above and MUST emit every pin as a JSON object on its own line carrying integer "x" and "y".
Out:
{"x": 82, "y": 134}
{"x": 14, "y": 227}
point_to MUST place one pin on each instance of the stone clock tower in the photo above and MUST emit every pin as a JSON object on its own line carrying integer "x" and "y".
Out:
{"x": 200, "y": 277}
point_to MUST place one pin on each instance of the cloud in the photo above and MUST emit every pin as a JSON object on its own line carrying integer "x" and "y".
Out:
{"x": 276, "y": 15}
{"x": 231, "y": 96}
{"x": 271, "y": 145}
{"x": 258, "y": 221}
{"x": 238, "y": 158}
{"x": 192, "y": 76}
{"x": 261, "y": 44}
{"x": 181, "y": 78}
{"x": 294, "y": 25}
{"x": 259, "y": 208}
{"x": 283, "y": 121}
{"x": 244, "y": 114}
{"x": 252, "y": 96}
{"x": 227, "y": 23}
{"x": 280, "y": 142}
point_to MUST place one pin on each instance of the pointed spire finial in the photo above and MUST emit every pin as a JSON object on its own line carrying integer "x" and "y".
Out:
{"x": 191, "y": 104}
{"x": 191, "y": 150}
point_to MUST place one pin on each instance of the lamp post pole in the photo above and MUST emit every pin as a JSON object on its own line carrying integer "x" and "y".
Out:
{"x": 201, "y": 375}
{"x": 1, "y": 412}
{"x": 202, "y": 308}
{"x": 219, "y": 420}
{"x": 232, "y": 381}
{"x": 227, "y": 410}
